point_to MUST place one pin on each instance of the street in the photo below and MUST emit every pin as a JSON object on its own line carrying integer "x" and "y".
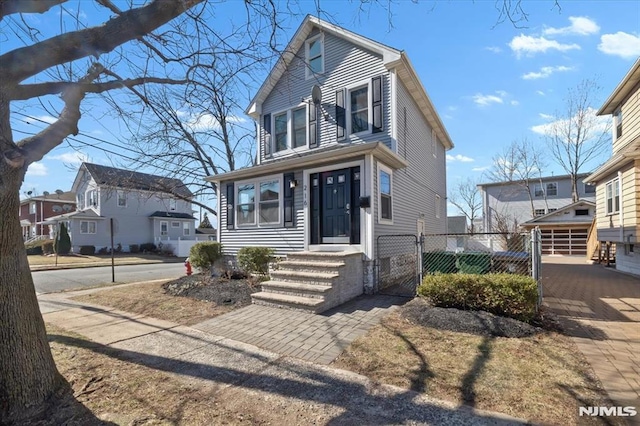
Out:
{"x": 67, "y": 279}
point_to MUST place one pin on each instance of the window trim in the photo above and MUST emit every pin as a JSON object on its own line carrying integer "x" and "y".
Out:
{"x": 274, "y": 138}
{"x": 307, "y": 61}
{"x": 97, "y": 197}
{"x": 175, "y": 224}
{"x": 615, "y": 187}
{"x": 289, "y": 149}
{"x": 186, "y": 229}
{"x": 349, "y": 89}
{"x": 120, "y": 192}
{"x": 166, "y": 223}
{"x": 535, "y": 192}
{"x": 32, "y": 207}
{"x": 617, "y": 124}
{"x": 305, "y": 115}
{"x": 383, "y": 168}
{"x": 95, "y": 227}
{"x": 256, "y": 182}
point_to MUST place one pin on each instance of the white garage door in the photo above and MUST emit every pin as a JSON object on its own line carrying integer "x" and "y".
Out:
{"x": 565, "y": 241}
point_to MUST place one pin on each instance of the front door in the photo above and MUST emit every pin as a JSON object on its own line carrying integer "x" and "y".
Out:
{"x": 336, "y": 207}
{"x": 335, "y": 218}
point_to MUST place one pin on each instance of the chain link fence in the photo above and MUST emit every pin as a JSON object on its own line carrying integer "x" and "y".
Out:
{"x": 397, "y": 264}
{"x": 477, "y": 253}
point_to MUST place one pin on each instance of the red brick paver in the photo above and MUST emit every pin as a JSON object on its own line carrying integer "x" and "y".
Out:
{"x": 600, "y": 310}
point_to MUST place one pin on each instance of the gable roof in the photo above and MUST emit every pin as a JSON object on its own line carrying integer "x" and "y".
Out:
{"x": 391, "y": 57}
{"x": 127, "y": 179}
{"x": 624, "y": 88}
{"x": 68, "y": 197}
{"x": 172, "y": 215}
{"x": 544, "y": 218}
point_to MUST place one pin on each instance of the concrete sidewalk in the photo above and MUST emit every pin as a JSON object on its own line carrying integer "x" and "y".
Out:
{"x": 243, "y": 375}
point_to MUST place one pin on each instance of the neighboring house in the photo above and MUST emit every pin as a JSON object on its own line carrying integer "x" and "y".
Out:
{"x": 34, "y": 210}
{"x": 618, "y": 180}
{"x": 350, "y": 148}
{"x": 456, "y": 225}
{"x": 552, "y": 202}
{"x": 208, "y": 233}
{"x": 145, "y": 208}
{"x": 564, "y": 231}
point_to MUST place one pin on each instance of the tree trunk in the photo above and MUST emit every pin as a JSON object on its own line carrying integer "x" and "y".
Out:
{"x": 28, "y": 375}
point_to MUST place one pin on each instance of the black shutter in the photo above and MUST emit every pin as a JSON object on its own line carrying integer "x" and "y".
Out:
{"x": 340, "y": 115}
{"x": 313, "y": 125}
{"x": 267, "y": 135}
{"x": 288, "y": 200}
{"x": 376, "y": 104}
{"x": 230, "y": 206}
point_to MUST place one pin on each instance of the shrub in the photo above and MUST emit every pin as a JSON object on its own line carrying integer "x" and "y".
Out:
{"x": 203, "y": 255}
{"x": 34, "y": 250}
{"x": 47, "y": 247}
{"x": 134, "y": 248}
{"x": 509, "y": 295}
{"x": 148, "y": 248}
{"x": 103, "y": 250}
{"x": 88, "y": 250}
{"x": 35, "y": 247}
{"x": 255, "y": 260}
{"x": 63, "y": 242}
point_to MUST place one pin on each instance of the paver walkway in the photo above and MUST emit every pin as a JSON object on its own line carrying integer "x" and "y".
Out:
{"x": 316, "y": 338}
{"x": 600, "y": 309}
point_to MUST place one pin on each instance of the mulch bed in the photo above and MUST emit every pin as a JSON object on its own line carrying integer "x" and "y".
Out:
{"x": 221, "y": 291}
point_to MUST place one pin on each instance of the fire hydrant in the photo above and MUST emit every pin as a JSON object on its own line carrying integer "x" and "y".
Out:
{"x": 187, "y": 264}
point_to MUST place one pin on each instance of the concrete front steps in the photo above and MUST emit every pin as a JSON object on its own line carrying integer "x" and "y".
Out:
{"x": 313, "y": 281}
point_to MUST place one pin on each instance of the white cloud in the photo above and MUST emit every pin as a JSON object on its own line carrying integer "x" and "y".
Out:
{"x": 580, "y": 25}
{"x": 597, "y": 124}
{"x": 452, "y": 108}
{"x": 514, "y": 103}
{"x": 528, "y": 45}
{"x": 37, "y": 169}
{"x": 209, "y": 122}
{"x": 485, "y": 100}
{"x": 494, "y": 49}
{"x": 480, "y": 169}
{"x": 621, "y": 44}
{"x": 38, "y": 119}
{"x": 545, "y": 72}
{"x": 71, "y": 157}
{"x": 545, "y": 116}
{"x": 540, "y": 92}
{"x": 460, "y": 158}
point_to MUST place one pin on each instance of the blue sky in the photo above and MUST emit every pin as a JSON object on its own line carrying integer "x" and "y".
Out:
{"x": 491, "y": 83}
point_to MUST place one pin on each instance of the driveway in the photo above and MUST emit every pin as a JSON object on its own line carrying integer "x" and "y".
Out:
{"x": 600, "y": 309}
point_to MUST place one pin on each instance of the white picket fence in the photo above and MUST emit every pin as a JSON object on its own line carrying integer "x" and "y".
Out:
{"x": 179, "y": 247}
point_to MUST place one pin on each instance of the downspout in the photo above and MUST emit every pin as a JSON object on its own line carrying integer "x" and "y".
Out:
{"x": 621, "y": 217}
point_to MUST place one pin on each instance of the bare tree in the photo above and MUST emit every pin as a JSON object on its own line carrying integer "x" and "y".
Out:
{"x": 466, "y": 197}
{"x": 577, "y": 135}
{"x": 521, "y": 163}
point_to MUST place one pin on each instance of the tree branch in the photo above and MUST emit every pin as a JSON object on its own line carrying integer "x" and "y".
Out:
{"x": 29, "y": 91}
{"x": 18, "y": 64}
{"x": 9, "y": 7}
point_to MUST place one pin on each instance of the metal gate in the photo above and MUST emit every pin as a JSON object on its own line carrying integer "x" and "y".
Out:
{"x": 397, "y": 265}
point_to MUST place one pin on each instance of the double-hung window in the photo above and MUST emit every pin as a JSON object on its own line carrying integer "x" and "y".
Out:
{"x": 92, "y": 196}
{"x": 359, "y": 109}
{"x": 537, "y": 190}
{"x": 385, "y": 193}
{"x": 299, "y": 122}
{"x": 612, "y": 193}
{"x": 281, "y": 131}
{"x": 315, "y": 56}
{"x": 32, "y": 207}
{"x": 87, "y": 227}
{"x": 164, "y": 228}
{"x": 122, "y": 198}
{"x": 552, "y": 189}
{"x": 263, "y": 196}
{"x": 617, "y": 122}
{"x": 186, "y": 228}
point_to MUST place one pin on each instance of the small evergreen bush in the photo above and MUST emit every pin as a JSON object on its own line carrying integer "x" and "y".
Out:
{"x": 203, "y": 255}
{"x": 255, "y": 260}
{"x": 63, "y": 242}
{"x": 88, "y": 250}
{"x": 47, "y": 247}
{"x": 134, "y": 248}
{"x": 509, "y": 295}
{"x": 148, "y": 248}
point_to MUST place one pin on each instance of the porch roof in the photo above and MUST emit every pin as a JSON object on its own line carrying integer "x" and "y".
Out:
{"x": 81, "y": 214}
{"x": 377, "y": 149}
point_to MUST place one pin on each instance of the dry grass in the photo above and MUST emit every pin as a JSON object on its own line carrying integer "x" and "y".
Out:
{"x": 543, "y": 378}
{"x": 150, "y": 299}
{"x": 123, "y": 392}
{"x": 79, "y": 260}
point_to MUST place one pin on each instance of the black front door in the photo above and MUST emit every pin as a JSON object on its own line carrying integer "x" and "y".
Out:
{"x": 336, "y": 206}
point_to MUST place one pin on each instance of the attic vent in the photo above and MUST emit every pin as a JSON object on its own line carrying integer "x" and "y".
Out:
{"x": 582, "y": 212}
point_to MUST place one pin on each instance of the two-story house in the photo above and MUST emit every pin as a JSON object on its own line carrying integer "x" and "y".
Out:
{"x": 618, "y": 180}
{"x": 546, "y": 203}
{"x": 35, "y": 209}
{"x": 144, "y": 208}
{"x": 350, "y": 148}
